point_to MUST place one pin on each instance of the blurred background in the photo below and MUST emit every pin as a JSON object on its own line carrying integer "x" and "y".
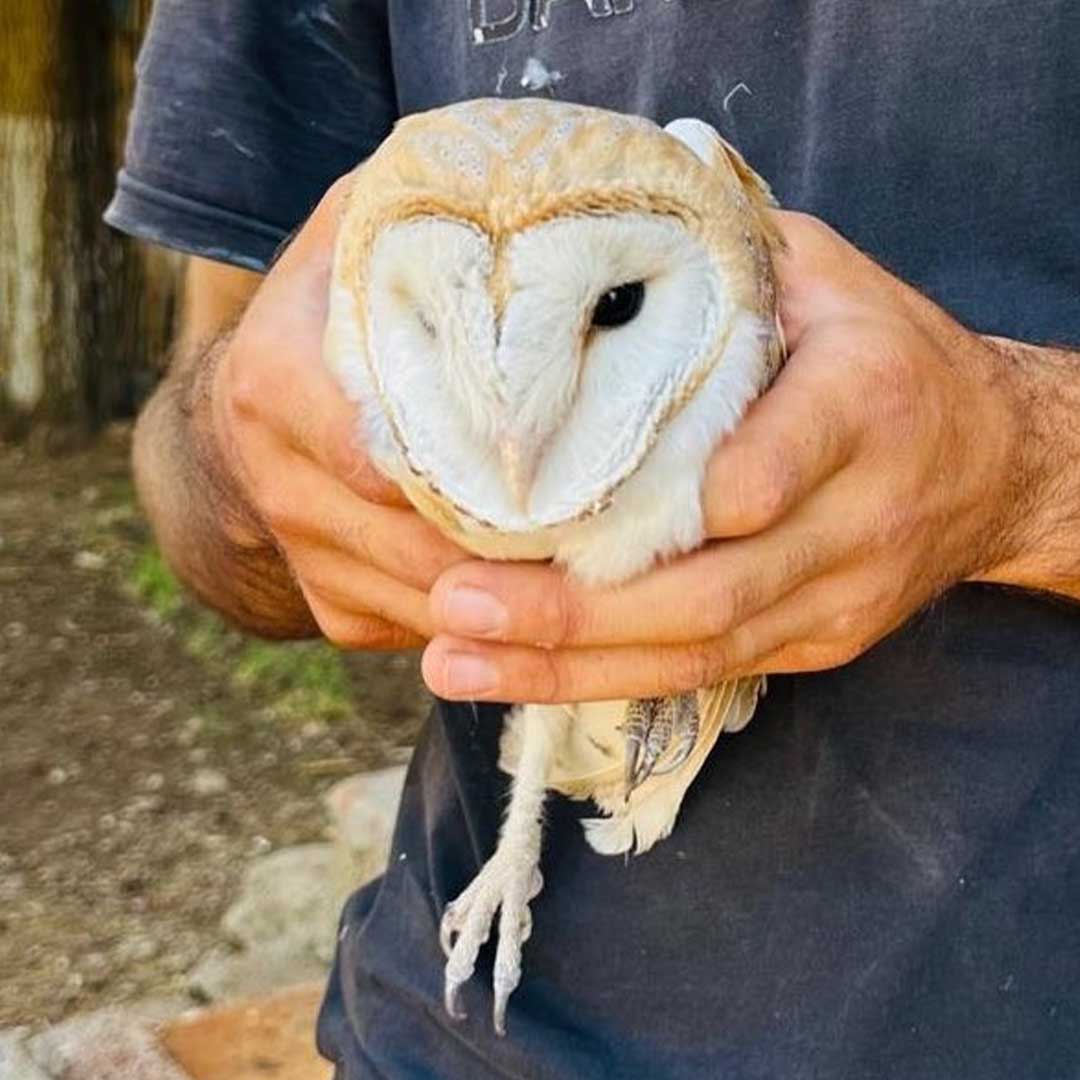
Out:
{"x": 151, "y": 758}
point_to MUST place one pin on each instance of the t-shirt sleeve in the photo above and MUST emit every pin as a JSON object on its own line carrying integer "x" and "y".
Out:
{"x": 245, "y": 112}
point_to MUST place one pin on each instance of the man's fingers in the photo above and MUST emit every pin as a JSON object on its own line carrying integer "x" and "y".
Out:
{"x": 360, "y": 630}
{"x": 814, "y": 259}
{"x": 824, "y": 624}
{"x": 460, "y": 669}
{"x": 314, "y": 240}
{"x": 312, "y": 417}
{"x": 337, "y": 583}
{"x": 799, "y": 433}
{"x": 397, "y": 541}
{"x": 299, "y": 285}
{"x": 699, "y": 596}
{"x": 791, "y": 441}
{"x": 278, "y": 378}
{"x": 314, "y": 510}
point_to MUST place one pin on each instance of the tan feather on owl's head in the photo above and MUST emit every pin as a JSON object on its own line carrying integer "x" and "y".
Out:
{"x": 530, "y": 298}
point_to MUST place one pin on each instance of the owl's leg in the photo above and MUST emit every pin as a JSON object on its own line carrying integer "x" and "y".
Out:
{"x": 511, "y": 877}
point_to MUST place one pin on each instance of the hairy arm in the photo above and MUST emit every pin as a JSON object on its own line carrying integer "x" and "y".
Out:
{"x": 1044, "y": 549}
{"x": 248, "y": 466}
{"x": 206, "y": 528}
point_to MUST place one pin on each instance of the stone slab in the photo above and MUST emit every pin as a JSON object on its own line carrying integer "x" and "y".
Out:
{"x": 251, "y": 1040}
{"x": 226, "y": 974}
{"x": 363, "y": 810}
{"x": 286, "y": 894}
{"x": 108, "y": 1045}
{"x": 15, "y": 1061}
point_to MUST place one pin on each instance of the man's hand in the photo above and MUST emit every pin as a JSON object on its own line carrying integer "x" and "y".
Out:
{"x": 262, "y": 496}
{"x": 894, "y": 457}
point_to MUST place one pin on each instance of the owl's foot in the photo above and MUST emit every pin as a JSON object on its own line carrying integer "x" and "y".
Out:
{"x": 506, "y": 884}
{"x": 684, "y": 732}
{"x": 652, "y": 727}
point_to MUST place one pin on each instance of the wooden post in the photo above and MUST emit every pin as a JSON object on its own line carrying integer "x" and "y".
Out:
{"x": 82, "y": 325}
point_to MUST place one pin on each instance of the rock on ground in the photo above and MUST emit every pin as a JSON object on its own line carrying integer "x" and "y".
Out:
{"x": 106, "y": 1045}
{"x": 108, "y": 834}
{"x": 15, "y": 1061}
{"x": 284, "y": 924}
{"x": 286, "y": 896}
{"x": 223, "y": 974}
{"x": 285, "y": 919}
{"x": 251, "y": 1040}
{"x": 363, "y": 810}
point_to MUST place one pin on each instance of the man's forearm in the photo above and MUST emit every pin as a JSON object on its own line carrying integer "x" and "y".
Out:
{"x": 1044, "y": 552}
{"x": 210, "y": 537}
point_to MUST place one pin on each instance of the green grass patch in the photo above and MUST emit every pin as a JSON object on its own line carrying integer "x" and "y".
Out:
{"x": 307, "y": 679}
{"x": 294, "y": 681}
{"x": 155, "y": 585}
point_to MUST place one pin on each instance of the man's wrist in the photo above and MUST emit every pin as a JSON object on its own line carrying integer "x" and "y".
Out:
{"x": 207, "y": 529}
{"x": 214, "y": 454}
{"x": 1041, "y": 527}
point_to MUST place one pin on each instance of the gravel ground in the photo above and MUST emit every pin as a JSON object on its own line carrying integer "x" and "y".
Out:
{"x": 138, "y": 776}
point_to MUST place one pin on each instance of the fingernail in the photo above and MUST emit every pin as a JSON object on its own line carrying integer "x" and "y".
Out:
{"x": 467, "y": 673}
{"x": 469, "y": 610}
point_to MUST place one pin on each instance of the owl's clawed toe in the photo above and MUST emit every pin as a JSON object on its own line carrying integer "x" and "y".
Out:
{"x": 685, "y": 730}
{"x": 652, "y": 727}
{"x": 451, "y": 999}
{"x": 506, "y": 886}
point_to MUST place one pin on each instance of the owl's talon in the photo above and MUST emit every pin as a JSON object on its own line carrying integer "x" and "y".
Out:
{"x": 498, "y": 1012}
{"x": 647, "y": 728}
{"x": 686, "y": 728}
{"x": 451, "y": 993}
{"x": 448, "y": 930}
{"x": 682, "y": 752}
{"x": 641, "y": 774}
{"x": 506, "y": 886}
{"x": 634, "y": 756}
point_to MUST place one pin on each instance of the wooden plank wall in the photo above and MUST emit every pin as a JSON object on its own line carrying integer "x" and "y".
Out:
{"x": 85, "y": 315}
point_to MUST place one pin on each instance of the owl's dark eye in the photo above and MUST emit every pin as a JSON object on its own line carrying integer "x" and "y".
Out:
{"x": 619, "y": 306}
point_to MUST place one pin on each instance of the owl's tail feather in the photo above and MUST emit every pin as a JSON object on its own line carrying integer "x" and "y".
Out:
{"x": 639, "y": 827}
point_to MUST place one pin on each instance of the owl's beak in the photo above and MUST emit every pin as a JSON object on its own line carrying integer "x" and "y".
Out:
{"x": 519, "y": 468}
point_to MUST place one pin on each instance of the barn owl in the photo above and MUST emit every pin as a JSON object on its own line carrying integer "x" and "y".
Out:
{"x": 548, "y": 316}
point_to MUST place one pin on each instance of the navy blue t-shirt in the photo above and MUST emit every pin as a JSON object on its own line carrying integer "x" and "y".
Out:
{"x": 880, "y": 877}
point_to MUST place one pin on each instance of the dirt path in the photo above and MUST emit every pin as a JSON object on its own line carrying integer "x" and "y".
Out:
{"x": 138, "y": 775}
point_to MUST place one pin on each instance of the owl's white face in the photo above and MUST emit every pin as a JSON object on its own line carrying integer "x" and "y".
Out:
{"x": 545, "y": 311}
{"x": 525, "y": 385}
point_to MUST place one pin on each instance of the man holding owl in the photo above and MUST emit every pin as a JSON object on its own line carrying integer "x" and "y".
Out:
{"x": 879, "y": 877}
